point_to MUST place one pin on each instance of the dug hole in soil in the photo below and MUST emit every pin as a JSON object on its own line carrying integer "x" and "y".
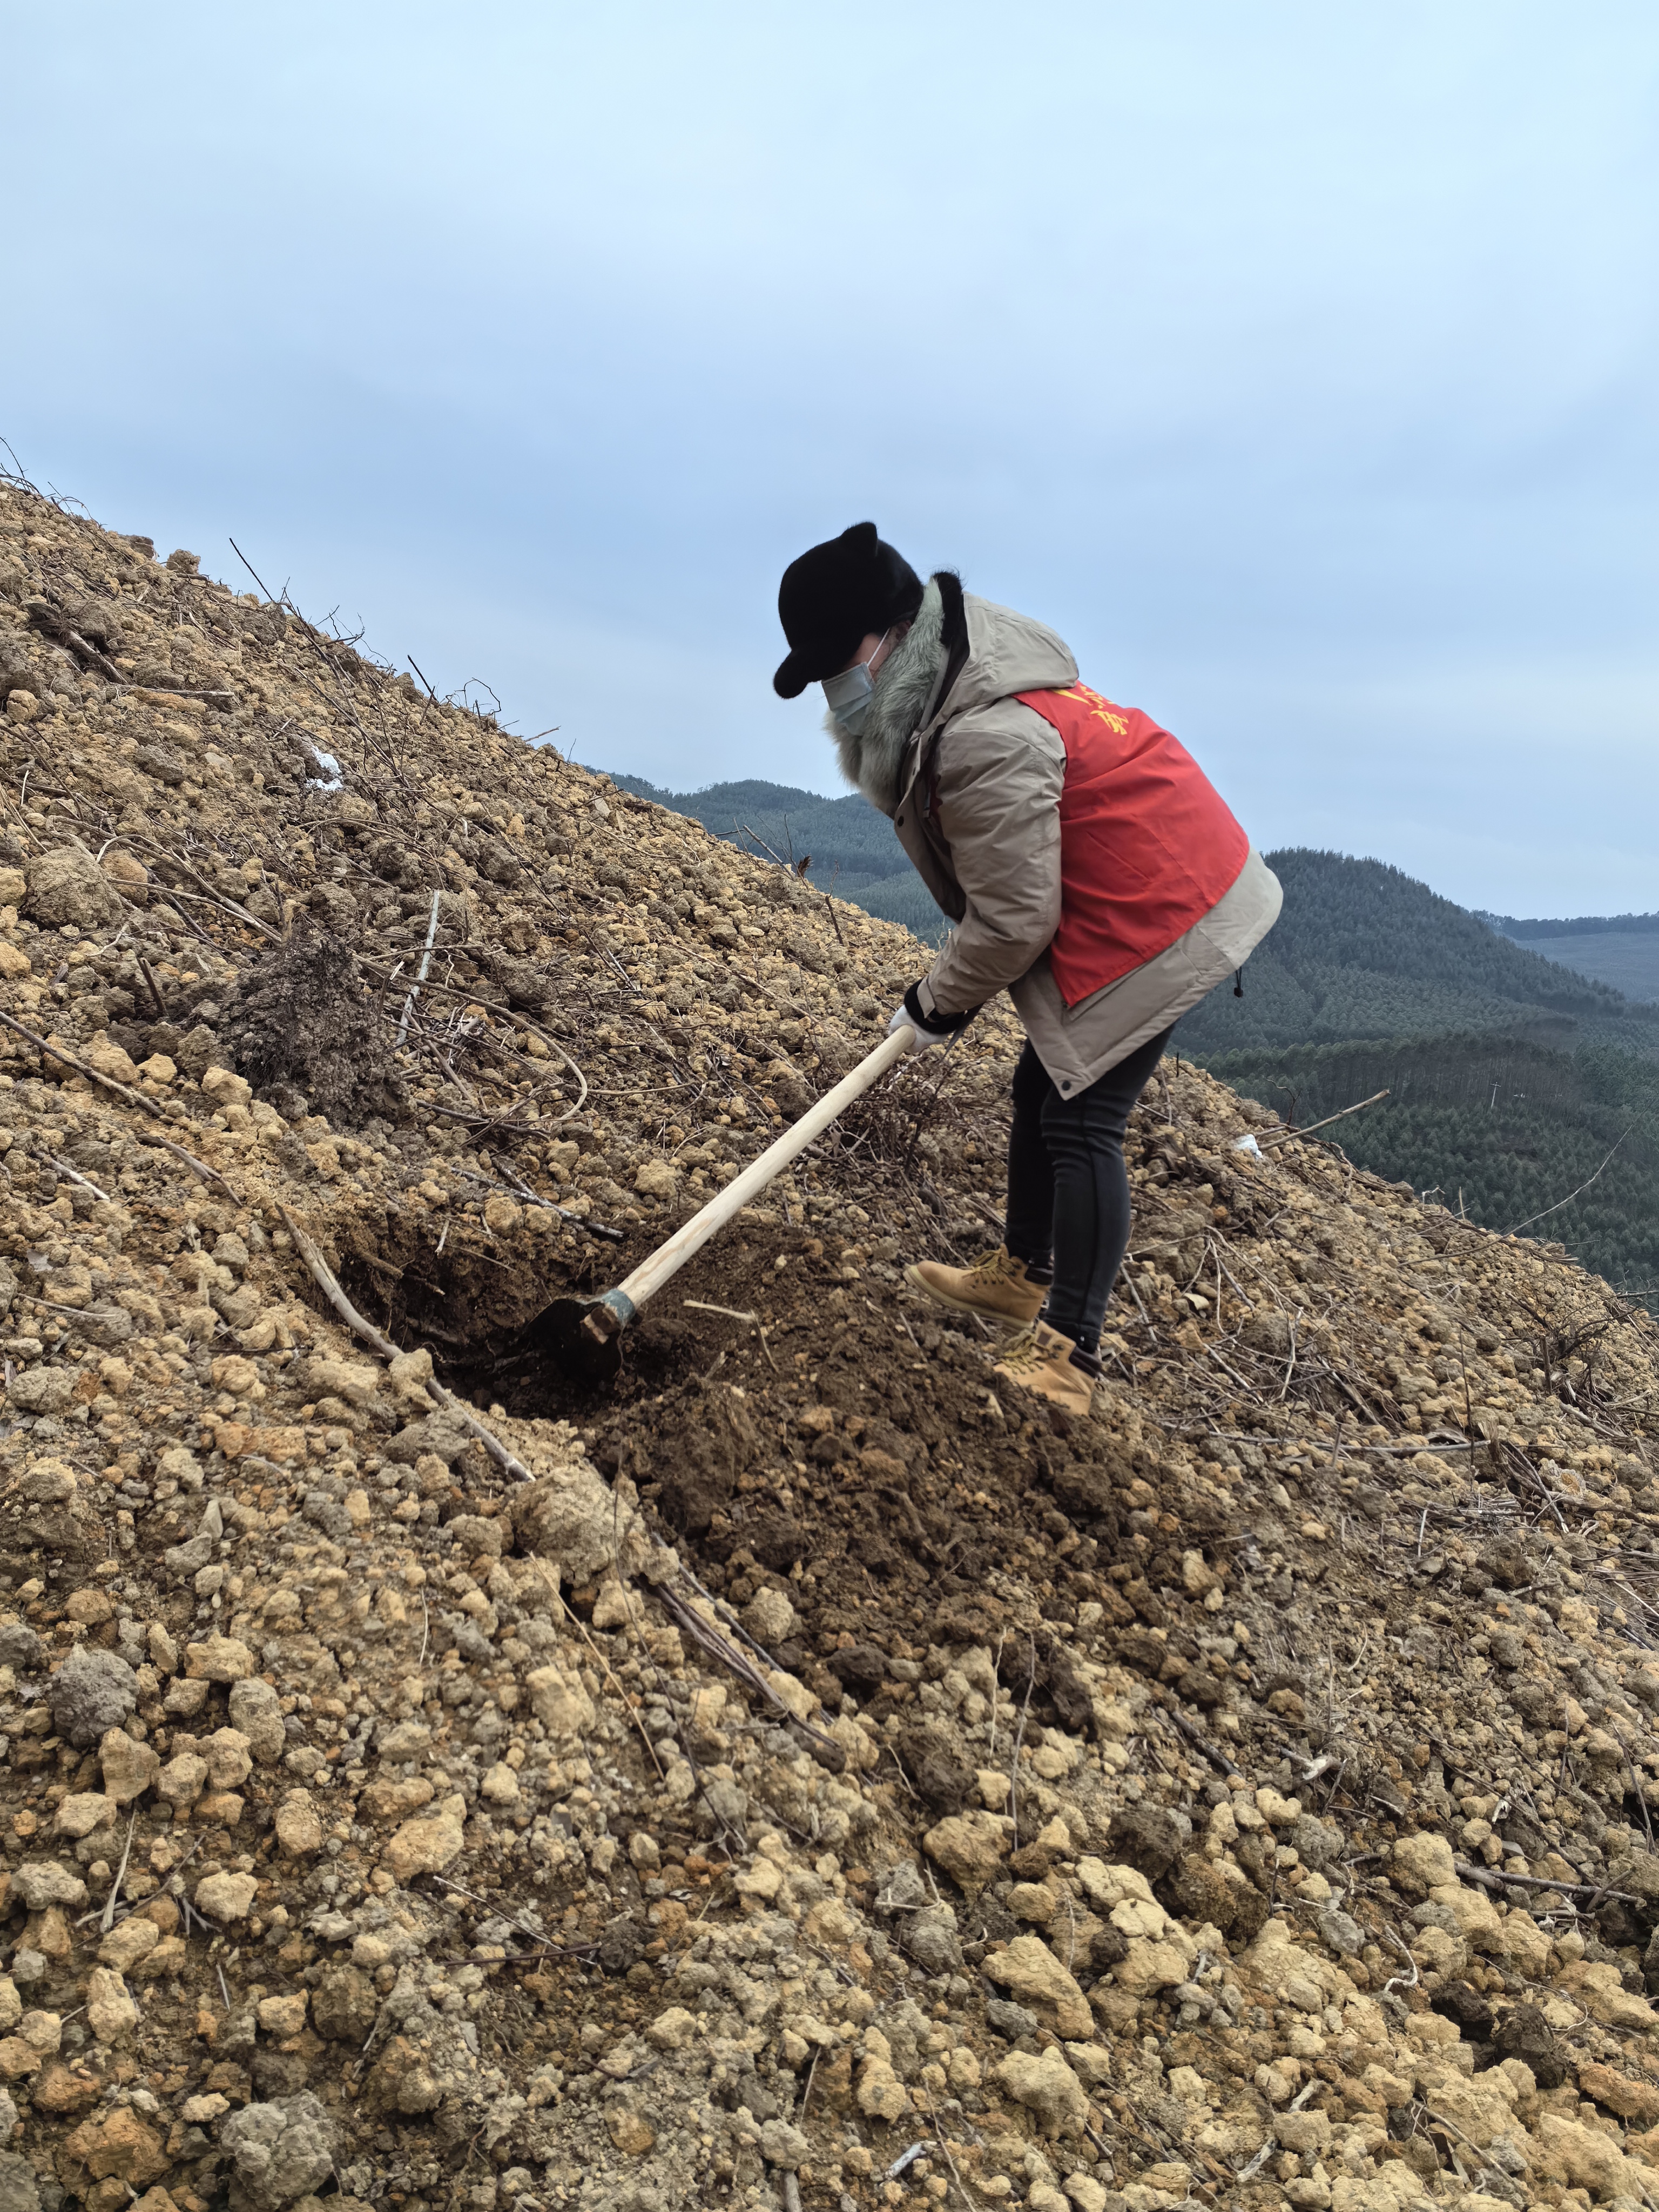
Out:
{"x": 868, "y": 1476}
{"x": 832, "y": 1778}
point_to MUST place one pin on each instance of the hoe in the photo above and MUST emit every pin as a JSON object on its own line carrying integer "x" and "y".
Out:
{"x": 590, "y": 1329}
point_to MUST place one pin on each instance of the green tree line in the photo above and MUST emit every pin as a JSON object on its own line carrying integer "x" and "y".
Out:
{"x": 1497, "y": 1129}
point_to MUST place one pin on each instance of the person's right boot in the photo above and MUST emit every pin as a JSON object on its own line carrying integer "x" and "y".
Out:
{"x": 998, "y": 1287}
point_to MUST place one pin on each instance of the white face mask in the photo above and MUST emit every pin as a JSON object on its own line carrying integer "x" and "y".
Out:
{"x": 849, "y": 694}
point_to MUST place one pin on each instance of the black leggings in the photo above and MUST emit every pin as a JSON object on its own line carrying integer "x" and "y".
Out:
{"x": 1068, "y": 1189}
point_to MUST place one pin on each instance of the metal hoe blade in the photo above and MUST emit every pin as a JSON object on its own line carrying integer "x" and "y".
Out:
{"x": 585, "y": 1333}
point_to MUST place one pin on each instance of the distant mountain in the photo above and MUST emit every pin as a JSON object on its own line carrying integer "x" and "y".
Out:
{"x": 1363, "y": 951}
{"x": 1620, "y": 949}
{"x": 850, "y": 849}
{"x": 1580, "y": 925}
{"x": 1522, "y": 1090}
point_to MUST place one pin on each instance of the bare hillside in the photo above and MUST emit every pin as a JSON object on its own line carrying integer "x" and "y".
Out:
{"x": 798, "y": 1773}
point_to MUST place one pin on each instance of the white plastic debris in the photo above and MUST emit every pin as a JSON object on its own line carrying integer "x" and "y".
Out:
{"x": 905, "y": 2160}
{"x": 1247, "y": 1143}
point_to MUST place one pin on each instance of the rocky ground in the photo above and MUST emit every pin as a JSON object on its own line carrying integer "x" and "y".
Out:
{"x": 829, "y": 1779}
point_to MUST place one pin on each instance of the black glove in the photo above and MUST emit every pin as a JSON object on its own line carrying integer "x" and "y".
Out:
{"x": 932, "y": 1027}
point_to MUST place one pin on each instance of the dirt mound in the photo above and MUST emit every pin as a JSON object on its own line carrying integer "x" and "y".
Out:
{"x": 306, "y": 1035}
{"x": 829, "y": 1777}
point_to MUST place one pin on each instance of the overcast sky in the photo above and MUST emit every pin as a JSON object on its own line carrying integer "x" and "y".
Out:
{"x": 1297, "y": 363}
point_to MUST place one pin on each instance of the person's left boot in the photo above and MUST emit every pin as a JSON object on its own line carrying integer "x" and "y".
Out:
{"x": 1041, "y": 1360}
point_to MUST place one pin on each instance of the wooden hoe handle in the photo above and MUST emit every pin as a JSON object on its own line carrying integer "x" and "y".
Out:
{"x": 616, "y": 1309}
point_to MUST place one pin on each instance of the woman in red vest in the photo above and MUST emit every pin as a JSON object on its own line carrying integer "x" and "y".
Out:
{"x": 1090, "y": 870}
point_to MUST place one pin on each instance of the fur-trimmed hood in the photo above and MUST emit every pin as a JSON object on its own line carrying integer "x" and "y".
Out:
{"x": 873, "y": 761}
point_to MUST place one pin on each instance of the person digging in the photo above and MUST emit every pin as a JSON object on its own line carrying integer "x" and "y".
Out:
{"x": 1089, "y": 869}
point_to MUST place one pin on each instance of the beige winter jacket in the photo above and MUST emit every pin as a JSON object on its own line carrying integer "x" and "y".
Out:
{"x": 978, "y": 812}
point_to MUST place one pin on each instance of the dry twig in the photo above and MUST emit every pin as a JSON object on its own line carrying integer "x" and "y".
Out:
{"x": 1282, "y": 1136}
{"x": 61, "y": 1052}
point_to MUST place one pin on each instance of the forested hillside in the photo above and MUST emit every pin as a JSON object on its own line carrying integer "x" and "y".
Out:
{"x": 1497, "y": 1129}
{"x": 849, "y": 847}
{"x": 1510, "y": 1077}
{"x": 1362, "y": 951}
{"x": 1620, "y": 949}
{"x": 1580, "y": 925}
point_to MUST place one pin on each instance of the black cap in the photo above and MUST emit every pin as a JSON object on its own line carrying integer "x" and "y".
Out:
{"x": 835, "y": 595}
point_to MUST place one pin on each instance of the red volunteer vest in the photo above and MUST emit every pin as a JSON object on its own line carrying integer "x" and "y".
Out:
{"x": 1146, "y": 846}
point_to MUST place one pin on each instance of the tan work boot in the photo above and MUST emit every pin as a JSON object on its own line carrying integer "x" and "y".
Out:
{"x": 1040, "y": 1358}
{"x": 996, "y": 1286}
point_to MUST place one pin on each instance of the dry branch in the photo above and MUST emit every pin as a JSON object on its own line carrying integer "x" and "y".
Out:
{"x": 70, "y": 1060}
{"x": 1284, "y": 1136}
{"x": 1571, "y": 1195}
